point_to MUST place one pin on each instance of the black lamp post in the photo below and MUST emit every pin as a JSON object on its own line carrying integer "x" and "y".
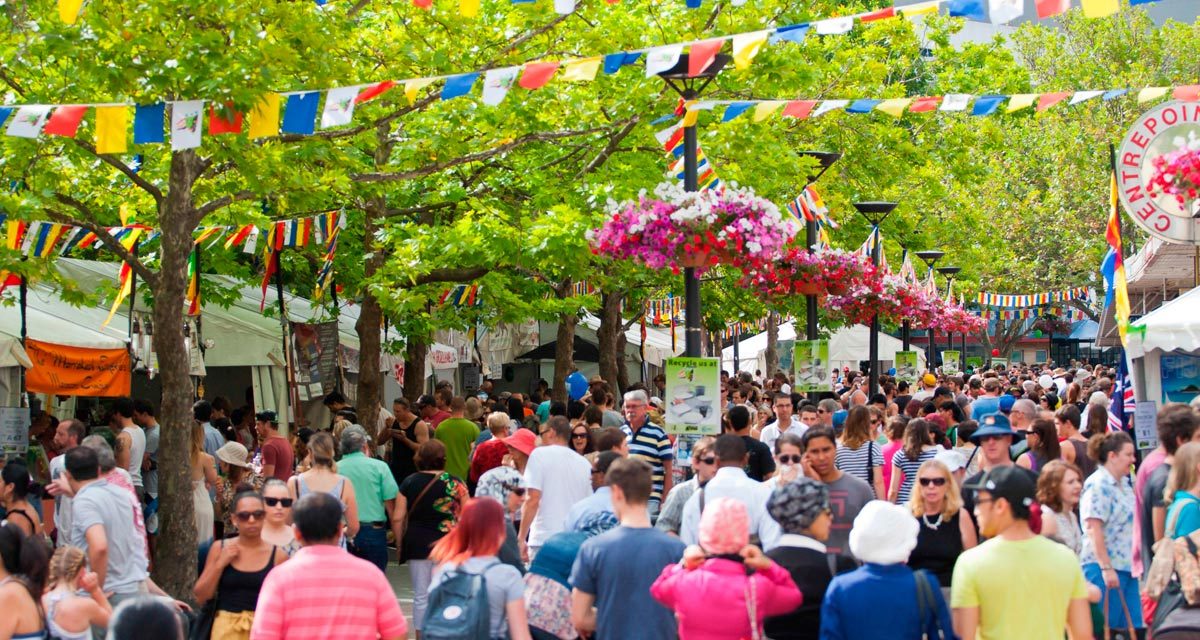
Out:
{"x": 825, "y": 160}
{"x": 875, "y": 213}
{"x": 949, "y": 273}
{"x": 689, "y": 87}
{"x": 930, "y": 258}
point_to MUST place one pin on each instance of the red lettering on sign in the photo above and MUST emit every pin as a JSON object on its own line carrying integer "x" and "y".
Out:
{"x": 1131, "y": 159}
{"x": 1134, "y": 193}
{"x": 1151, "y": 125}
{"x": 1139, "y": 139}
{"x": 1170, "y": 117}
{"x": 1126, "y": 176}
{"x": 1162, "y": 223}
{"x": 1146, "y": 211}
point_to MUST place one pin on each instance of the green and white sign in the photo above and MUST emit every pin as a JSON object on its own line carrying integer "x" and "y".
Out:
{"x": 974, "y": 362}
{"x": 814, "y": 371}
{"x": 693, "y": 396}
{"x": 950, "y": 361}
{"x": 908, "y": 366}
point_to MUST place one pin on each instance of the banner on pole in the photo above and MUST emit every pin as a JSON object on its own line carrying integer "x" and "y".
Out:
{"x": 908, "y": 367}
{"x": 77, "y": 371}
{"x": 814, "y": 371}
{"x": 693, "y": 396}
{"x": 950, "y": 361}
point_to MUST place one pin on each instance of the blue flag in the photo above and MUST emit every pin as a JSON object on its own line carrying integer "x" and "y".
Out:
{"x": 460, "y": 85}
{"x": 1114, "y": 93}
{"x": 614, "y": 61}
{"x": 792, "y": 33}
{"x": 148, "y": 123}
{"x": 736, "y": 109}
{"x": 987, "y": 105}
{"x": 1108, "y": 269}
{"x": 5, "y": 112}
{"x": 300, "y": 114}
{"x": 970, "y": 9}
{"x": 862, "y": 105}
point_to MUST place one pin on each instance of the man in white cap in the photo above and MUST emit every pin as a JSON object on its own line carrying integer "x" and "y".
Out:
{"x": 1016, "y": 569}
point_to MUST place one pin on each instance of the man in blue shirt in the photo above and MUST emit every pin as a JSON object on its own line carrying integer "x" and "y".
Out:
{"x": 613, "y": 571}
{"x": 987, "y": 403}
{"x": 598, "y": 502}
{"x": 213, "y": 440}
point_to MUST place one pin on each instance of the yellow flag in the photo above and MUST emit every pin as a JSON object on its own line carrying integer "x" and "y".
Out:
{"x": 126, "y": 213}
{"x": 582, "y": 70}
{"x": 111, "y": 128}
{"x": 1100, "y": 8}
{"x": 894, "y": 107}
{"x": 763, "y": 110}
{"x": 411, "y": 87}
{"x": 920, "y": 8}
{"x": 691, "y": 114}
{"x": 1021, "y": 101}
{"x": 124, "y": 276}
{"x": 746, "y": 46}
{"x": 264, "y": 117}
{"x": 68, "y": 10}
{"x": 1151, "y": 93}
{"x": 470, "y": 8}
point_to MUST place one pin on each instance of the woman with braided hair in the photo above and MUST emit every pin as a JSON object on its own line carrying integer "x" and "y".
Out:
{"x": 70, "y": 616}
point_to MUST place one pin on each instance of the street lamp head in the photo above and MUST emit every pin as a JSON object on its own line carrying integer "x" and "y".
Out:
{"x": 875, "y": 211}
{"x": 931, "y": 256}
{"x": 949, "y": 272}
{"x": 686, "y": 86}
{"x": 825, "y": 159}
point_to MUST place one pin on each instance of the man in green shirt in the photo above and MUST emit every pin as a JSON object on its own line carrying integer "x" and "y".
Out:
{"x": 375, "y": 492}
{"x": 458, "y": 434}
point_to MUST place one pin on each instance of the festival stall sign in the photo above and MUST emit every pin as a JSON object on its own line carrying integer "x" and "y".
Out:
{"x": 974, "y": 362}
{"x": 77, "y": 371}
{"x": 14, "y": 431}
{"x": 693, "y": 396}
{"x": 1158, "y": 172}
{"x": 316, "y": 361}
{"x": 907, "y": 367}
{"x": 950, "y": 361}
{"x": 786, "y": 349}
{"x": 814, "y": 370}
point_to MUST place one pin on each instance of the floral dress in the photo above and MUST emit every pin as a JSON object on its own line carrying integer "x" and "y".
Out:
{"x": 435, "y": 514}
{"x": 1109, "y": 500}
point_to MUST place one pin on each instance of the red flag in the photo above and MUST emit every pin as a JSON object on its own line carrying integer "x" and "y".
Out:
{"x": 537, "y": 74}
{"x": 1188, "y": 93}
{"x": 218, "y": 122}
{"x": 702, "y": 55}
{"x": 926, "y": 103}
{"x": 1048, "y": 100}
{"x": 374, "y": 91}
{"x": 799, "y": 109}
{"x": 65, "y": 121}
{"x": 422, "y": 4}
{"x": 1047, "y": 8}
{"x": 9, "y": 279}
{"x": 882, "y": 14}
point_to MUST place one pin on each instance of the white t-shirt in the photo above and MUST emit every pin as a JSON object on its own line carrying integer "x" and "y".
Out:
{"x": 771, "y": 432}
{"x": 564, "y": 478}
{"x": 137, "y": 448}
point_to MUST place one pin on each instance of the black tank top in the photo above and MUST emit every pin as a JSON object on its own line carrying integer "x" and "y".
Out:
{"x": 238, "y": 590}
{"x": 402, "y": 462}
{"x": 937, "y": 548}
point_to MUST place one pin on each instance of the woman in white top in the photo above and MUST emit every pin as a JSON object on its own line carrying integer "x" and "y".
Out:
{"x": 323, "y": 477}
{"x": 65, "y": 609}
{"x": 204, "y": 479}
{"x": 1059, "y": 488}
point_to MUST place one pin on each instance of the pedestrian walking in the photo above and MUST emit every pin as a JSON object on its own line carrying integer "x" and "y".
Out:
{"x": 1107, "y": 512}
{"x": 375, "y": 493}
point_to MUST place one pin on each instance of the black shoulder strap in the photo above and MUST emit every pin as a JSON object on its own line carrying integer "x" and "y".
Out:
{"x": 831, "y": 562}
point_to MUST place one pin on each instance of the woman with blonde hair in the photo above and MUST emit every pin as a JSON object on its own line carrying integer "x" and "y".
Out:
{"x": 1059, "y": 488}
{"x": 64, "y": 609}
{"x": 946, "y": 529}
{"x": 1183, "y": 492}
{"x": 323, "y": 477}
{"x": 204, "y": 478}
{"x": 857, "y": 453}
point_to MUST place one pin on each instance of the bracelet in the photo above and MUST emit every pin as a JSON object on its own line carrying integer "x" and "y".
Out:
{"x": 1106, "y": 568}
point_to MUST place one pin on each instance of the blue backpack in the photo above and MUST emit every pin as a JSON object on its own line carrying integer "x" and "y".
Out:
{"x": 458, "y": 607}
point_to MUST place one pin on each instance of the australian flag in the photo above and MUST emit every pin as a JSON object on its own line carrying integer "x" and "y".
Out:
{"x": 1121, "y": 407}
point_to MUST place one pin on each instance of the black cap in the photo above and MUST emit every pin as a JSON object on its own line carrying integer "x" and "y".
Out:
{"x": 266, "y": 416}
{"x": 1015, "y": 484}
{"x": 426, "y": 400}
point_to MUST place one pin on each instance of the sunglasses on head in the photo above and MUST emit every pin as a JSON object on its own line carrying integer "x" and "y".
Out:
{"x": 245, "y": 516}
{"x": 286, "y": 503}
{"x": 937, "y": 482}
{"x": 791, "y": 458}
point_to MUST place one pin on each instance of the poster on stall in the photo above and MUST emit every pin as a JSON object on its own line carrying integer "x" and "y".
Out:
{"x": 316, "y": 349}
{"x": 950, "y": 362}
{"x": 1145, "y": 425}
{"x": 785, "y": 351}
{"x": 974, "y": 362}
{"x": 693, "y": 396}
{"x": 14, "y": 432}
{"x": 76, "y": 371}
{"x": 1180, "y": 377}
{"x": 907, "y": 367}
{"x": 814, "y": 371}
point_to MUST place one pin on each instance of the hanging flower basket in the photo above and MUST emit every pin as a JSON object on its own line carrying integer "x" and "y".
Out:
{"x": 800, "y": 272}
{"x": 676, "y": 229}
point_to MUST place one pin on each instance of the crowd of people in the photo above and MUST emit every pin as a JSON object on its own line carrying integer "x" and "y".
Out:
{"x": 996, "y": 504}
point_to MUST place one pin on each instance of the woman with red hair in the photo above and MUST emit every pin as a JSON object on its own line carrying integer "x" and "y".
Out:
{"x": 471, "y": 546}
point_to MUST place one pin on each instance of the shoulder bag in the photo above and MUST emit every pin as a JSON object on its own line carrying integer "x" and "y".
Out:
{"x": 1172, "y": 598}
{"x": 1129, "y": 633}
{"x": 752, "y": 607}
{"x": 931, "y": 625}
{"x": 400, "y": 557}
{"x": 1162, "y": 567}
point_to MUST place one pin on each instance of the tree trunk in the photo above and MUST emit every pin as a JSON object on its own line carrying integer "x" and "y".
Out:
{"x": 370, "y": 319}
{"x": 622, "y": 369}
{"x": 564, "y": 356}
{"x": 175, "y": 557}
{"x": 415, "y": 349}
{"x": 608, "y": 336}
{"x": 772, "y": 344}
{"x": 718, "y": 344}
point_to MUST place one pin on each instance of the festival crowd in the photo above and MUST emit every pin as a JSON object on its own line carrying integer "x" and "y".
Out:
{"x": 997, "y": 504}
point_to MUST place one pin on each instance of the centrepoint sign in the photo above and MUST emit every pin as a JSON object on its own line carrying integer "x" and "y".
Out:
{"x": 1159, "y": 131}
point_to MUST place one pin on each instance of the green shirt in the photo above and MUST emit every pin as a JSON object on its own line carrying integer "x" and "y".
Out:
{"x": 373, "y": 484}
{"x": 458, "y": 434}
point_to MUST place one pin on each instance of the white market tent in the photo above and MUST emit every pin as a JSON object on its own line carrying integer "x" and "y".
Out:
{"x": 847, "y": 347}
{"x": 1172, "y": 329}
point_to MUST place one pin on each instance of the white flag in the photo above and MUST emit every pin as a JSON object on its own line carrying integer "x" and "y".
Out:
{"x": 187, "y": 118}
{"x": 30, "y": 236}
{"x": 339, "y": 107}
{"x": 955, "y": 102}
{"x": 829, "y": 105}
{"x": 662, "y": 58}
{"x": 834, "y": 26}
{"x": 564, "y": 6}
{"x": 251, "y": 241}
{"x": 1082, "y": 96}
{"x": 496, "y": 84}
{"x": 1005, "y": 11}
{"x": 28, "y": 121}
{"x": 665, "y": 135}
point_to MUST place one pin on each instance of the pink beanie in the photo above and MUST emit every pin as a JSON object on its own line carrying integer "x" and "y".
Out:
{"x": 724, "y": 526}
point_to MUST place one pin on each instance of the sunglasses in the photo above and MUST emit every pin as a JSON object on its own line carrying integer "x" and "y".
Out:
{"x": 245, "y": 516}
{"x": 519, "y": 491}
{"x": 791, "y": 458}
{"x": 286, "y": 503}
{"x": 708, "y": 460}
{"x": 937, "y": 482}
{"x": 822, "y": 411}
{"x": 579, "y": 436}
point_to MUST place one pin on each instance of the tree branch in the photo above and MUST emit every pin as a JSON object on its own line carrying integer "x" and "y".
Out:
{"x": 112, "y": 161}
{"x": 144, "y": 272}
{"x": 225, "y": 201}
{"x": 609, "y": 148}
{"x": 408, "y": 211}
{"x": 460, "y": 274}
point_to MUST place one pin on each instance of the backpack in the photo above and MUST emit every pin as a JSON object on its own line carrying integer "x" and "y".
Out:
{"x": 458, "y": 607}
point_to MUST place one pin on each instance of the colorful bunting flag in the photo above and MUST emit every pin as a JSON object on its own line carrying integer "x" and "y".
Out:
{"x": 1048, "y": 100}
{"x": 583, "y": 70}
{"x": 147, "y": 123}
{"x": 193, "y": 287}
{"x": 65, "y": 121}
{"x": 894, "y": 107}
{"x": 185, "y": 124}
{"x": 702, "y": 55}
{"x": 68, "y": 10}
{"x": 224, "y": 119}
{"x": 125, "y": 275}
{"x": 412, "y": 87}
{"x": 1021, "y": 101}
{"x": 799, "y": 109}
{"x": 28, "y": 121}
{"x": 1051, "y": 8}
{"x": 1151, "y": 93}
{"x": 955, "y": 102}
{"x": 1084, "y": 96}
{"x": 496, "y": 84}
{"x": 339, "y": 107}
{"x": 661, "y": 59}
{"x": 746, "y": 46}
{"x": 537, "y": 74}
{"x": 834, "y": 26}
{"x": 1005, "y": 11}
{"x": 1112, "y": 234}
{"x": 111, "y": 124}
{"x": 1099, "y": 8}
{"x": 300, "y": 116}
{"x": 264, "y": 117}
{"x": 460, "y": 85}
{"x": 374, "y": 91}
{"x": 829, "y": 105}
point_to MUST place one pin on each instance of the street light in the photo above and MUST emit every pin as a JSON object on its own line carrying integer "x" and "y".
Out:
{"x": 689, "y": 87}
{"x": 949, "y": 272}
{"x": 824, "y": 160}
{"x": 930, "y": 258}
{"x": 875, "y": 213}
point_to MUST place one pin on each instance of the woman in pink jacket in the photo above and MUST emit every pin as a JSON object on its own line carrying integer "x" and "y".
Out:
{"x": 722, "y": 576}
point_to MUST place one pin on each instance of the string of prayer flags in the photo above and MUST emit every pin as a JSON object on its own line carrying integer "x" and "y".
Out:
{"x": 462, "y": 295}
{"x": 125, "y": 275}
{"x": 1031, "y": 299}
{"x": 40, "y": 239}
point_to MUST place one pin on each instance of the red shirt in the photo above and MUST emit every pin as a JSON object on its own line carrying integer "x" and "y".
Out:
{"x": 277, "y": 451}
{"x": 488, "y": 456}
{"x": 324, "y": 592}
{"x": 436, "y": 419}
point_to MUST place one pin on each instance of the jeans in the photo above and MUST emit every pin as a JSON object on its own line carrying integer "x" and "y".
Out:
{"x": 421, "y": 572}
{"x": 371, "y": 542}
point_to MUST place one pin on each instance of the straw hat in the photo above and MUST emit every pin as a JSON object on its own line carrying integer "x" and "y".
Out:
{"x": 235, "y": 454}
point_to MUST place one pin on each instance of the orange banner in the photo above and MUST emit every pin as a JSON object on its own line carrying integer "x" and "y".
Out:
{"x": 77, "y": 371}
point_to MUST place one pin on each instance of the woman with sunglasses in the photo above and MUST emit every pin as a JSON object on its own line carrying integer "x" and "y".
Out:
{"x": 277, "y": 528}
{"x": 789, "y": 452}
{"x": 704, "y": 465}
{"x": 234, "y": 574}
{"x": 946, "y": 529}
{"x": 581, "y": 439}
{"x": 1043, "y": 446}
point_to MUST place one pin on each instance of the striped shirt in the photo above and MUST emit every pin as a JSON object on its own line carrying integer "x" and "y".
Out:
{"x": 860, "y": 462}
{"x": 651, "y": 445}
{"x": 324, "y": 592}
{"x": 909, "y": 469}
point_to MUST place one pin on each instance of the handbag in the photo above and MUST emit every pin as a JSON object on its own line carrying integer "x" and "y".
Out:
{"x": 400, "y": 556}
{"x": 752, "y": 607}
{"x": 927, "y": 608}
{"x": 1162, "y": 568}
{"x": 1109, "y": 634}
{"x": 1172, "y": 598}
{"x": 202, "y": 622}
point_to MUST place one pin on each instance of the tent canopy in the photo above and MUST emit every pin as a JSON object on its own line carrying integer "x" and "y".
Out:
{"x": 1171, "y": 327}
{"x": 847, "y": 347}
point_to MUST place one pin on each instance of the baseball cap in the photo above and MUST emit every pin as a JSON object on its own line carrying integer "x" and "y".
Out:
{"x": 1016, "y": 485}
{"x": 839, "y": 418}
{"x": 995, "y": 424}
{"x": 929, "y": 379}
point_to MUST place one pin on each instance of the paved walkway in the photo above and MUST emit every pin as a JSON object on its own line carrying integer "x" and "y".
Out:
{"x": 402, "y": 586}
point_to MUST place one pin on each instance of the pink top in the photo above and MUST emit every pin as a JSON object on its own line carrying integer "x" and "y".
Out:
{"x": 324, "y": 592}
{"x": 889, "y": 452}
{"x": 1152, "y": 461}
{"x": 120, "y": 478}
{"x": 710, "y": 601}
